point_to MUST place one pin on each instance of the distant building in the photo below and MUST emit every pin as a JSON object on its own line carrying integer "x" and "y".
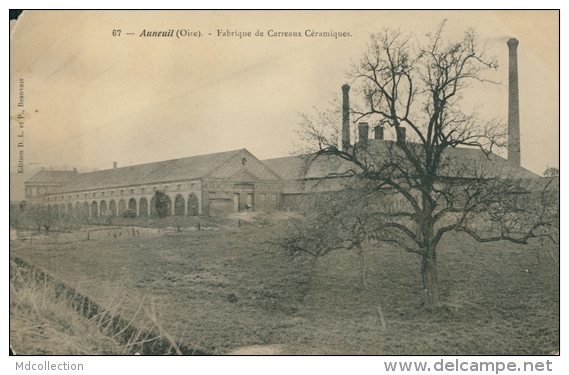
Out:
{"x": 200, "y": 185}
{"x": 39, "y": 186}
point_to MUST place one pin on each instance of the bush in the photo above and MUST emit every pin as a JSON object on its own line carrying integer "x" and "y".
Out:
{"x": 129, "y": 214}
{"x": 163, "y": 204}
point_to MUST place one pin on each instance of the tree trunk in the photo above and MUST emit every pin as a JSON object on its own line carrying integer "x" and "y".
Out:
{"x": 361, "y": 255}
{"x": 430, "y": 284}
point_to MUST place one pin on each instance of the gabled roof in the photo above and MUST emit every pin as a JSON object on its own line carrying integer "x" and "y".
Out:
{"x": 243, "y": 161}
{"x": 460, "y": 161}
{"x": 189, "y": 168}
{"x": 474, "y": 161}
{"x": 293, "y": 167}
{"x": 218, "y": 165}
{"x": 51, "y": 177}
{"x": 292, "y": 170}
{"x": 464, "y": 162}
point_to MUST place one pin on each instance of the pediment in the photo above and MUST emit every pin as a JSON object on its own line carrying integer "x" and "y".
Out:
{"x": 244, "y": 162}
{"x": 243, "y": 175}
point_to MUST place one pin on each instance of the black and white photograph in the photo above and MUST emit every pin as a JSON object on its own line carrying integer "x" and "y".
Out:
{"x": 286, "y": 183}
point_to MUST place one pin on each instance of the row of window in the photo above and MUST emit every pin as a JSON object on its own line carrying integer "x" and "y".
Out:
{"x": 222, "y": 185}
{"x": 121, "y": 191}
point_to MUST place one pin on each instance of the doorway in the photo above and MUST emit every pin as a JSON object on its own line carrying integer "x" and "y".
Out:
{"x": 236, "y": 202}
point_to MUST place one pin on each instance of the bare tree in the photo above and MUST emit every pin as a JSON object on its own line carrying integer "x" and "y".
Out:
{"x": 442, "y": 177}
{"x": 41, "y": 217}
{"x": 551, "y": 172}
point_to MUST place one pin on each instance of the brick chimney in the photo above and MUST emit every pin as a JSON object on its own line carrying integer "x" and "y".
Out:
{"x": 401, "y": 134}
{"x": 346, "y": 118}
{"x": 514, "y": 152}
{"x": 378, "y": 132}
{"x": 114, "y": 165}
{"x": 363, "y": 131}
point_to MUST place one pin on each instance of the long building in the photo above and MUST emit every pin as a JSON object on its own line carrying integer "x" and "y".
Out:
{"x": 236, "y": 180}
{"x": 200, "y": 185}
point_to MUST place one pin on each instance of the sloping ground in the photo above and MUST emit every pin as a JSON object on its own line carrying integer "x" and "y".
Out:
{"x": 225, "y": 290}
{"x": 43, "y": 322}
{"x": 51, "y": 317}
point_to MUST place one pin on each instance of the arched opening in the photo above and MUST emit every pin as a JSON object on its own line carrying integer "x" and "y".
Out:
{"x": 132, "y": 204}
{"x": 56, "y": 210}
{"x": 143, "y": 207}
{"x": 103, "y": 208}
{"x": 122, "y": 207}
{"x": 94, "y": 209}
{"x": 62, "y": 210}
{"x": 113, "y": 207}
{"x": 49, "y": 210}
{"x": 78, "y": 210}
{"x": 86, "y": 209}
{"x": 193, "y": 205}
{"x": 179, "y": 206}
{"x": 70, "y": 210}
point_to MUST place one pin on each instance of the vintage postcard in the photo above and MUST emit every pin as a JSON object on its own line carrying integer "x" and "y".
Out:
{"x": 284, "y": 183}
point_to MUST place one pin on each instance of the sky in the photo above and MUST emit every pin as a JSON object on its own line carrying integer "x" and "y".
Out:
{"x": 91, "y": 98}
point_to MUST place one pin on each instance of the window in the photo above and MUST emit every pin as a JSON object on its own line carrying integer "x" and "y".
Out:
{"x": 85, "y": 195}
{"x": 192, "y": 186}
{"x": 62, "y": 197}
{"x": 154, "y": 189}
{"x": 112, "y": 193}
{"x": 102, "y": 194}
{"x": 48, "y": 199}
{"x": 131, "y": 191}
{"x": 94, "y": 195}
{"x": 122, "y": 192}
{"x": 69, "y": 196}
{"x": 179, "y": 187}
{"x": 166, "y": 188}
{"x": 77, "y": 196}
{"x": 142, "y": 190}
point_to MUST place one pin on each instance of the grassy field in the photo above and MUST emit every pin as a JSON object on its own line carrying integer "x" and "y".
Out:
{"x": 42, "y": 321}
{"x": 223, "y": 290}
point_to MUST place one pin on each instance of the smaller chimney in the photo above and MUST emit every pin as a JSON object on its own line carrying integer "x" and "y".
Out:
{"x": 363, "y": 129}
{"x": 114, "y": 165}
{"x": 401, "y": 134}
{"x": 378, "y": 132}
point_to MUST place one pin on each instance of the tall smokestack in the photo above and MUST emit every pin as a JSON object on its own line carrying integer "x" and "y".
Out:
{"x": 514, "y": 155}
{"x": 346, "y": 118}
{"x": 114, "y": 165}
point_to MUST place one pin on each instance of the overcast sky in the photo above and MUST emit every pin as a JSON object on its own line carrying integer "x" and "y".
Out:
{"x": 91, "y": 98}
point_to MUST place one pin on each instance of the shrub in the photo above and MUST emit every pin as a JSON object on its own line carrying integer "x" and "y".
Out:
{"x": 163, "y": 204}
{"x": 129, "y": 214}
